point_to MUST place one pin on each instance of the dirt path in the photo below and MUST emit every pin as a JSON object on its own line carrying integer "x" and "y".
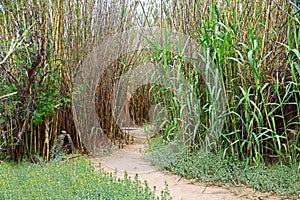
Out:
{"x": 130, "y": 159}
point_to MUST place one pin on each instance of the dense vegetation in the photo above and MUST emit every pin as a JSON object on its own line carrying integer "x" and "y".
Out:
{"x": 214, "y": 168}
{"x": 256, "y": 49}
{"x": 253, "y": 44}
{"x": 74, "y": 179}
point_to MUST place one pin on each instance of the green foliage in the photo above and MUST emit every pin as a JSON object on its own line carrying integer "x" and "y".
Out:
{"x": 215, "y": 168}
{"x": 49, "y": 98}
{"x": 74, "y": 179}
{"x": 31, "y": 69}
{"x": 262, "y": 91}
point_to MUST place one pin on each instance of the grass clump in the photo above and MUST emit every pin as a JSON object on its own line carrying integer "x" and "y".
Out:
{"x": 75, "y": 179}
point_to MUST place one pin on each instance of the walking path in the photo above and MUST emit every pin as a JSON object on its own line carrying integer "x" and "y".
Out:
{"x": 130, "y": 159}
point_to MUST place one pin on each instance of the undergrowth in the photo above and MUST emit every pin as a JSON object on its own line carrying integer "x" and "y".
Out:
{"x": 214, "y": 168}
{"x": 74, "y": 179}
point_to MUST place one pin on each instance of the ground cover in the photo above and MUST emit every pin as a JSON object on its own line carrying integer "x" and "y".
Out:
{"x": 213, "y": 168}
{"x": 75, "y": 179}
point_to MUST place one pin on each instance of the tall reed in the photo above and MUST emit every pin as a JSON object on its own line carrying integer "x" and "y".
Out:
{"x": 41, "y": 43}
{"x": 254, "y": 44}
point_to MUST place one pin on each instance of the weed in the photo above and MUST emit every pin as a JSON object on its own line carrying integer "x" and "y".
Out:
{"x": 75, "y": 179}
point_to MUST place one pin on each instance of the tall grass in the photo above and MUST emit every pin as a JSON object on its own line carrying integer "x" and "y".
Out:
{"x": 262, "y": 100}
{"x": 41, "y": 43}
{"x": 254, "y": 45}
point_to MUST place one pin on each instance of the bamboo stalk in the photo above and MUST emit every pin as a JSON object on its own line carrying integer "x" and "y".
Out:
{"x": 46, "y": 149}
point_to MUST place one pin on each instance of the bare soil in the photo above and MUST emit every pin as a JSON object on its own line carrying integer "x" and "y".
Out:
{"x": 130, "y": 159}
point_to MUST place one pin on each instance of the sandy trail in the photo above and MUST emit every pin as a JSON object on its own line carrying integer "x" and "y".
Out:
{"x": 130, "y": 159}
